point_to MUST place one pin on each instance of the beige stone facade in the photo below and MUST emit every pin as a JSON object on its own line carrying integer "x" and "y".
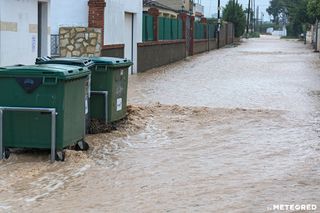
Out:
{"x": 80, "y": 41}
{"x": 177, "y": 4}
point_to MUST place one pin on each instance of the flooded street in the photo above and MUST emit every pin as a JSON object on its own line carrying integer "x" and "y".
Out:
{"x": 233, "y": 130}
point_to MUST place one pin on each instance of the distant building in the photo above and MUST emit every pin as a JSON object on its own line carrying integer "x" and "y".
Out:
{"x": 198, "y": 10}
{"x": 164, "y": 10}
{"x": 178, "y": 5}
{"x": 24, "y": 31}
{"x": 169, "y": 7}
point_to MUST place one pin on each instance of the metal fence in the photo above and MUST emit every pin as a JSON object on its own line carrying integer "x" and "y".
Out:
{"x": 171, "y": 29}
{"x": 199, "y": 30}
{"x": 147, "y": 28}
{"x": 203, "y": 31}
{"x": 168, "y": 28}
{"x": 54, "y": 45}
{"x": 212, "y": 29}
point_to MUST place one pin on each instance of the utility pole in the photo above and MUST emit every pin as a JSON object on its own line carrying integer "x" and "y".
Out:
{"x": 234, "y": 15}
{"x": 317, "y": 34}
{"x": 233, "y": 8}
{"x": 257, "y": 18}
{"x": 254, "y": 15}
{"x": 248, "y": 18}
{"x": 219, "y": 25}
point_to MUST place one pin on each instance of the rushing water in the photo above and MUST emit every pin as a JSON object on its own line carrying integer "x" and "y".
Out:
{"x": 234, "y": 130}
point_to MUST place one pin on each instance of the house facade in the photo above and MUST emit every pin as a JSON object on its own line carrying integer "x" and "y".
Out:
{"x": 24, "y": 31}
{"x": 123, "y": 25}
{"x": 180, "y": 5}
{"x": 193, "y": 7}
{"x": 120, "y": 21}
{"x": 164, "y": 10}
{"x": 198, "y": 10}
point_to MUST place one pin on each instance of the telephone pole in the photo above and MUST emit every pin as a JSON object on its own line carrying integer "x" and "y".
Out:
{"x": 257, "y": 19}
{"x": 248, "y": 18}
{"x": 219, "y": 25}
{"x": 254, "y": 15}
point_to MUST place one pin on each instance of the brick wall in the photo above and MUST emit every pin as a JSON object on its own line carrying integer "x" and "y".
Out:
{"x": 113, "y": 50}
{"x": 96, "y": 14}
{"x": 155, "y": 54}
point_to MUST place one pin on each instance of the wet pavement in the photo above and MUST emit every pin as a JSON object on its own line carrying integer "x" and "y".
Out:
{"x": 234, "y": 130}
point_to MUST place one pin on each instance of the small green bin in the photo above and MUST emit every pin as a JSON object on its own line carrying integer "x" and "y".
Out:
{"x": 111, "y": 75}
{"x": 109, "y": 78}
{"x": 43, "y": 86}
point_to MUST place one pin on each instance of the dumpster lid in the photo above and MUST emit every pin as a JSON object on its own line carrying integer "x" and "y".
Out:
{"x": 112, "y": 62}
{"x": 74, "y": 61}
{"x": 59, "y": 71}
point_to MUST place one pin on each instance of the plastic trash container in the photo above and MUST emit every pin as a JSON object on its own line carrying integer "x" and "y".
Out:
{"x": 43, "y": 106}
{"x": 109, "y": 84}
{"x": 74, "y": 61}
{"x": 111, "y": 75}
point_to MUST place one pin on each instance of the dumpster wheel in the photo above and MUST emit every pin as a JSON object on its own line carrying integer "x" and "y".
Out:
{"x": 81, "y": 146}
{"x": 60, "y": 155}
{"x": 6, "y": 153}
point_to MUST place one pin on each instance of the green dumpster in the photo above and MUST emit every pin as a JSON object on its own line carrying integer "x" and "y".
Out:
{"x": 73, "y": 61}
{"x": 109, "y": 80}
{"x": 111, "y": 75}
{"x": 59, "y": 87}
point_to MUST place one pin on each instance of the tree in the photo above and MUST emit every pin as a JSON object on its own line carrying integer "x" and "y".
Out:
{"x": 233, "y": 12}
{"x": 313, "y": 10}
{"x": 276, "y": 10}
{"x": 292, "y": 13}
{"x": 298, "y": 15}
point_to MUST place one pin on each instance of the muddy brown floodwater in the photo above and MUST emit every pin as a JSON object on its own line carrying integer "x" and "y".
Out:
{"x": 234, "y": 130}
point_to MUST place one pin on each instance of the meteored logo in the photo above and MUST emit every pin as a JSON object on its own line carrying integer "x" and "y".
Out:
{"x": 293, "y": 207}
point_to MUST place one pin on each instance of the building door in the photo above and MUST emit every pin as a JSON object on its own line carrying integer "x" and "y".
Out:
{"x": 128, "y": 49}
{"x": 42, "y": 29}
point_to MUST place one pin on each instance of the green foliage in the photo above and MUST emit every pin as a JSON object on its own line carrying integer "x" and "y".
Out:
{"x": 233, "y": 12}
{"x": 277, "y": 10}
{"x": 212, "y": 20}
{"x": 252, "y": 35}
{"x": 313, "y": 9}
{"x": 295, "y": 14}
{"x": 288, "y": 37}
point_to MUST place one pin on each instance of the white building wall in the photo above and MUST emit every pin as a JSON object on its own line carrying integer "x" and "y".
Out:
{"x": 116, "y": 25}
{"x": 18, "y": 32}
{"x": 75, "y": 13}
{"x": 68, "y": 13}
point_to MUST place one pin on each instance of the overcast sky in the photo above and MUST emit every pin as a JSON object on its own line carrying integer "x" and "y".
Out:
{"x": 211, "y": 6}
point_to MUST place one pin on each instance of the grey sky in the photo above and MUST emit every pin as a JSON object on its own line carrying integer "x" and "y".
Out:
{"x": 211, "y": 6}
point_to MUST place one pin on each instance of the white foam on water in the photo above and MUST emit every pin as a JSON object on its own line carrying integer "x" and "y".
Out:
{"x": 53, "y": 185}
{"x": 5, "y": 207}
{"x": 81, "y": 171}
